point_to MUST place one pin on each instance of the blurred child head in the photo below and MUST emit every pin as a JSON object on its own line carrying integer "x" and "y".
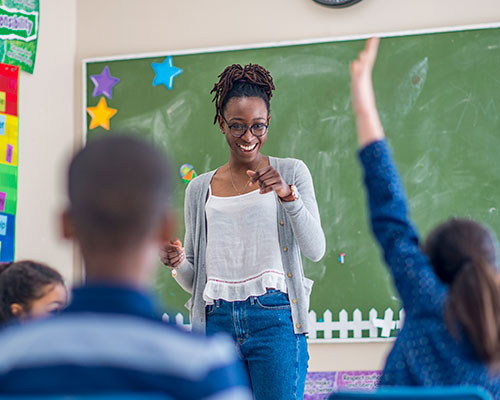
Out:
{"x": 29, "y": 290}
{"x": 118, "y": 188}
{"x": 463, "y": 255}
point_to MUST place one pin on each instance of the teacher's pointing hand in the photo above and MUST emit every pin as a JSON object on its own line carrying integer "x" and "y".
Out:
{"x": 269, "y": 179}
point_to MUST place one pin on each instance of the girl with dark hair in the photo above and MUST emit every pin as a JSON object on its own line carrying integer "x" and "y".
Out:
{"x": 449, "y": 289}
{"x": 29, "y": 290}
{"x": 247, "y": 224}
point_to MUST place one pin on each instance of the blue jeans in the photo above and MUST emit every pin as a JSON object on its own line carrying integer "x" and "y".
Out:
{"x": 276, "y": 358}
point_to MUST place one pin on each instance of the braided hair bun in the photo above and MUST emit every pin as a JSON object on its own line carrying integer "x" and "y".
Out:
{"x": 252, "y": 80}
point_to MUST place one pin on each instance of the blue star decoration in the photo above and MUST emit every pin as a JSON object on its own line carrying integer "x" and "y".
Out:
{"x": 165, "y": 73}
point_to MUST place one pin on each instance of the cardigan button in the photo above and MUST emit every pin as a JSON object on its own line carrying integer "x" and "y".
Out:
{"x": 290, "y": 274}
{"x": 285, "y": 249}
{"x": 282, "y": 223}
{"x": 294, "y": 301}
{"x": 298, "y": 325}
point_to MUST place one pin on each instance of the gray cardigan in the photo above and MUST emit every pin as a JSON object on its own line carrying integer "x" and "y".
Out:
{"x": 299, "y": 230}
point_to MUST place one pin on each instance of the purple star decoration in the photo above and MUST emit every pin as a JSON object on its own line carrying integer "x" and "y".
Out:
{"x": 165, "y": 73}
{"x": 104, "y": 83}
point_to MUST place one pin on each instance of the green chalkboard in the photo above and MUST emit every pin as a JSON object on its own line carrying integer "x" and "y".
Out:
{"x": 439, "y": 98}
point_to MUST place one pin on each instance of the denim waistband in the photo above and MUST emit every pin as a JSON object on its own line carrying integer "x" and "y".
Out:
{"x": 251, "y": 300}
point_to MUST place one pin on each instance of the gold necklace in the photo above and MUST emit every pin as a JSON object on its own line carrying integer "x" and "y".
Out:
{"x": 231, "y": 174}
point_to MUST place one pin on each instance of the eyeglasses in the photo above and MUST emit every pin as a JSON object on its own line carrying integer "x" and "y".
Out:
{"x": 238, "y": 130}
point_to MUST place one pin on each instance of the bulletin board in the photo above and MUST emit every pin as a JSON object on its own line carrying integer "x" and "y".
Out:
{"x": 9, "y": 84}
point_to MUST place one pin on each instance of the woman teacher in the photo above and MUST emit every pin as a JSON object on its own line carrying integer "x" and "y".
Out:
{"x": 247, "y": 223}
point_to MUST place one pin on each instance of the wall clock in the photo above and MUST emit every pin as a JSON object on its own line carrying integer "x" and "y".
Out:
{"x": 337, "y": 3}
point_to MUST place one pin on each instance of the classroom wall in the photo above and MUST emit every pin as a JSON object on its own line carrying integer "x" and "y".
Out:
{"x": 46, "y": 138}
{"x": 113, "y": 27}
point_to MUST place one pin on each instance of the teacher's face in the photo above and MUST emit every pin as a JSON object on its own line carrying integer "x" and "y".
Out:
{"x": 248, "y": 111}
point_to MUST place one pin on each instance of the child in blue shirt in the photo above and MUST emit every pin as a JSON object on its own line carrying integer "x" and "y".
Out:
{"x": 111, "y": 339}
{"x": 449, "y": 287}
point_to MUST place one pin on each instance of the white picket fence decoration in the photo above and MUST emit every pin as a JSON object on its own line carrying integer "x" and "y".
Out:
{"x": 342, "y": 325}
{"x": 179, "y": 321}
{"x": 357, "y": 325}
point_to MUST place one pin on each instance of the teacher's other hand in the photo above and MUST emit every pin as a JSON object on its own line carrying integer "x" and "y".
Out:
{"x": 172, "y": 254}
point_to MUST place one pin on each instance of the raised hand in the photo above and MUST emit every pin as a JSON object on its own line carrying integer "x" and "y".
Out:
{"x": 363, "y": 97}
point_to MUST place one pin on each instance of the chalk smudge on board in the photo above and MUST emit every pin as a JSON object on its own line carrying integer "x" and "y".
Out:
{"x": 410, "y": 88}
{"x": 171, "y": 117}
{"x": 178, "y": 112}
{"x": 206, "y": 164}
{"x": 299, "y": 66}
{"x": 315, "y": 272}
{"x": 323, "y": 181}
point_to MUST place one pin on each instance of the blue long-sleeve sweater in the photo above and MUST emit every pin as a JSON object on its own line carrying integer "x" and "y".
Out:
{"x": 425, "y": 352}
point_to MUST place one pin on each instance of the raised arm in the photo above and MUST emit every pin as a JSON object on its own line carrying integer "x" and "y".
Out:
{"x": 418, "y": 286}
{"x": 363, "y": 97}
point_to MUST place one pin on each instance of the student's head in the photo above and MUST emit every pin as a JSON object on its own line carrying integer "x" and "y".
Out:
{"x": 118, "y": 188}
{"x": 463, "y": 254}
{"x": 242, "y": 99}
{"x": 29, "y": 290}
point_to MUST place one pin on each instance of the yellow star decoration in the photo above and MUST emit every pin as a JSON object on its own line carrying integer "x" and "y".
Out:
{"x": 101, "y": 114}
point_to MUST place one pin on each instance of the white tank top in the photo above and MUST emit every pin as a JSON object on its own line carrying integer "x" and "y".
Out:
{"x": 243, "y": 256}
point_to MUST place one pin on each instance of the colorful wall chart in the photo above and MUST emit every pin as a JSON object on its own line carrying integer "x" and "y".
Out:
{"x": 9, "y": 83}
{"x": 19, "y": 32}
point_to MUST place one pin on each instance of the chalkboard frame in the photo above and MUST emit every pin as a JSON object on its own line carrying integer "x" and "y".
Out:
{"x": 183, "y": 52}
